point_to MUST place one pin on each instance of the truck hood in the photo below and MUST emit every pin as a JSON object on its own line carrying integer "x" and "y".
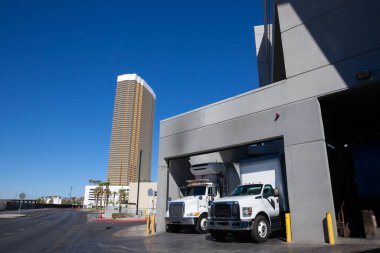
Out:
{"x": 185, "y": 199}
{"x": 245, "y": 200}
{"x": 191, "y": 203}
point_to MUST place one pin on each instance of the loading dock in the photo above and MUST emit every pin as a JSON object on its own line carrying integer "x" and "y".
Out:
{"x": 352, "y": 132}
{"x": 319, "y": 56}
{"x": 220, "y": 127}
{"x": 238, "y": 157}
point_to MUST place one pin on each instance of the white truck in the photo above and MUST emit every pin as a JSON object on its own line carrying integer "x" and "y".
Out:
{"x": 191, "y": 210}
{"x": 254, "y": 205}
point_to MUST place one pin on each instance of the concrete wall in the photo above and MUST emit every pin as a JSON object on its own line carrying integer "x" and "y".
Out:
{"x": 147, "y": 200}
{"x": 319, "y": 33}
{"x": 261, "y": 44}
{"x": 301, "y": 126}
{"x": 325, "y": 43}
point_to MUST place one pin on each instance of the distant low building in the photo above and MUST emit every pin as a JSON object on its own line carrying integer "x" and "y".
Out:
{"x": 57, "y": 200}
{"x": 113, "y": 198}
{"x": 147, "y": 196}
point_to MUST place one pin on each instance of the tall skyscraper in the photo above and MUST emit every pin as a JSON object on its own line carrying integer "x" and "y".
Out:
{"x": 132, "y": 131}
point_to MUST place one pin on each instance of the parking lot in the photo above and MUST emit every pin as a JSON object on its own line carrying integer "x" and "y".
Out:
{"x": 187, "y": 241}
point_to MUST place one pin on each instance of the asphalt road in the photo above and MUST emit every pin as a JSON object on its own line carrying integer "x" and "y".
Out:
{"x": 68, "y": 230}
{"x": 74, "y": 231}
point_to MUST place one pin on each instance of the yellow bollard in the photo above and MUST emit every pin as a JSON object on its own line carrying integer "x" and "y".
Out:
{"x": 153, "y": 226}
{"x": 330, "y": 228}
{"x": 148, "y": 225}
{"x": 144, "y": 212}
{"x": 288, "y": 228}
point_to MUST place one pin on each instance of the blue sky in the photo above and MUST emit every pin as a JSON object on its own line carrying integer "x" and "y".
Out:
{"x": 58, "y": 66}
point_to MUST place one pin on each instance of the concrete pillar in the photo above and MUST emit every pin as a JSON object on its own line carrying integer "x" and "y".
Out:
{"x": 309, "y": 190}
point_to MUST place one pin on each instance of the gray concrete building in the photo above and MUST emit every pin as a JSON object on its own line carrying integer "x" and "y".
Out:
{"x": 132, "y": 131}
{"x": 319, "y": 69}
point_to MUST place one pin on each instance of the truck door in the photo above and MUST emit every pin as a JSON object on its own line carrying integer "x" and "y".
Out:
{"x": 270, "y": 202}
{"x": 209, "y": 196}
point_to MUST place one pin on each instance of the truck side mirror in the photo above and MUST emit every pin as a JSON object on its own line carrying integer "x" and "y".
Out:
{"x": 209, "y": 191}
{"x": 214, "y": 190}
{"x": 275, "y": 192}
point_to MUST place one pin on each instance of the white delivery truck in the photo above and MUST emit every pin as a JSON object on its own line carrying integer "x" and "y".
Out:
{"x": 254, "y": 205}
{"x": 195, "y": 198}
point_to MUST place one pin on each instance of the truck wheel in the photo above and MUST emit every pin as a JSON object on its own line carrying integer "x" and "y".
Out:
{"x": 202, "y": 224}
{"x": 173, "y": 229}
{"x": 261, "y": 229}
{"x": 218, "y": 235}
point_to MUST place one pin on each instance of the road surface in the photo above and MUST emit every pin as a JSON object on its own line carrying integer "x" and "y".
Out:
{"x": 74, "y": 231}
{"x": 67, "y": 230}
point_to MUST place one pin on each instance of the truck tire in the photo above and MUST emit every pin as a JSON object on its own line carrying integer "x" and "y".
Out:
{"x": 202, "y": 224}
{"x": 218, "y": 235}
{"x": 173, "y": 228}
{"x": 261, "y": 229}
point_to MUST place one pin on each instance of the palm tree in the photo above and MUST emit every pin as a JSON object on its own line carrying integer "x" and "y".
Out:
{"x": 114, "y": 194}
{"x": 107, "y": 192}
{"x": 101, "y": 191}
{"x": 122, "y": 196}
{"x": 98, "y": 192}
{"x": 96, "y": 195}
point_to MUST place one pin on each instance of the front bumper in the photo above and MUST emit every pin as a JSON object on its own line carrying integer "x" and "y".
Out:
{"x": 181, "y": 220}
{"x": 237, "y": 225}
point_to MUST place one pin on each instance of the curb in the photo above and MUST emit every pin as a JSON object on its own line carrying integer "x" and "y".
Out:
{"x": 12, "y": 216}
{"x": 121, "y": 220}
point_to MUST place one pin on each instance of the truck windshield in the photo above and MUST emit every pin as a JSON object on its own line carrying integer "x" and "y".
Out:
{"x": 193, "y": 190}
{"x": 250, "y": 189}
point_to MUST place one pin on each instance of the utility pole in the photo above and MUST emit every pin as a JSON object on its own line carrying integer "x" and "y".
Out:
{"x": 138, "y": 185}
{"x": 22, "y": 197}
{"x": 71, "y": 189}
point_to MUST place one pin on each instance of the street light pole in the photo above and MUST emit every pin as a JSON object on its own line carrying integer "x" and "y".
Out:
{"x": 71, "y": 201}
{"x": 138, "y": 184}
{"x": 22, "y": 197}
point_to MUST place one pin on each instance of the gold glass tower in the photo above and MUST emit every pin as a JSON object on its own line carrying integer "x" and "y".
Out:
{"x": 132, "y": 131}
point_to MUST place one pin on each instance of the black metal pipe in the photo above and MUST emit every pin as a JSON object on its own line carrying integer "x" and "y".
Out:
{"x": 138, "y": 185}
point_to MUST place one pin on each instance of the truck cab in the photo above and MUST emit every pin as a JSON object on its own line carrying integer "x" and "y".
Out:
{"x": 191, "y": 210}
{"x": 250, "y": 207}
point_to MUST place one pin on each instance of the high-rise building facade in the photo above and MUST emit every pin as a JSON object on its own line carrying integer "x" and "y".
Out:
{"x": 132, "y": 131}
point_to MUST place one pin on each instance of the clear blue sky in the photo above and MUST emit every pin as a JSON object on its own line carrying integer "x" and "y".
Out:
{"x": 58, "y": 66}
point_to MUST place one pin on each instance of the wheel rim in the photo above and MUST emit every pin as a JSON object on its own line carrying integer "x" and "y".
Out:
{"x": 262, "y": 229}
{"x": 204, "y": 224}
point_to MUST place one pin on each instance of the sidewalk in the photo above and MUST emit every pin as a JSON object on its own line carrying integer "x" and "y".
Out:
{"x": 11, "y": 215}
{"x": 121, "y": 220}
{"x": 23, "y": 211}
{"x": 98, "y": 217}
{"x": 196, "y": 243}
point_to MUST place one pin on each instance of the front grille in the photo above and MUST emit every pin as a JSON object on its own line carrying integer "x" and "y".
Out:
{"x": 225, "y": 210}
{"x": 176, "y": 209}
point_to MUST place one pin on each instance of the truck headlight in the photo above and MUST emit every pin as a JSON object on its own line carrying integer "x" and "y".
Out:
{"x": 247, "y": 211}
{"x": 196, "y": 214}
